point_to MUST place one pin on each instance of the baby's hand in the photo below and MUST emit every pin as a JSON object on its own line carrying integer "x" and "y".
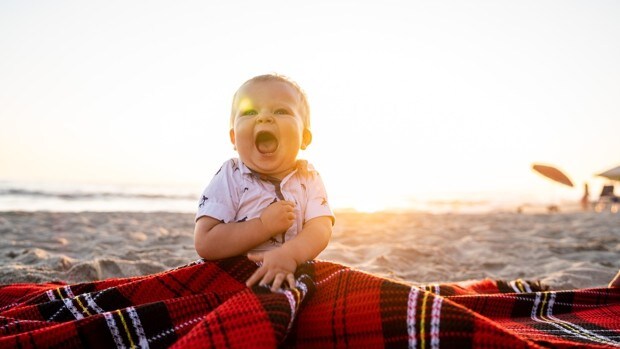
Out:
{"x": 277, "y": 266}
{"x": 278, "y": 217}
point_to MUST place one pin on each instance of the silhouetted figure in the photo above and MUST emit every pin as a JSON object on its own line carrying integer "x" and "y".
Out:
{"x": 585, "y": 199}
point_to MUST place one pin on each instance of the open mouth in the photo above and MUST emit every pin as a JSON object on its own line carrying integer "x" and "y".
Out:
{"x": 266, "y": 142}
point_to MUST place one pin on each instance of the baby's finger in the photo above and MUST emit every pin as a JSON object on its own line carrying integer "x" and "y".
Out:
{"x": 290, "y": 278}
{"x": 277, "y": 282}
{"x": 267, "y": 278}
{"x": 255, "y": 257}
{"x": 258, "y": 274}
{"x": 288, "y": 204}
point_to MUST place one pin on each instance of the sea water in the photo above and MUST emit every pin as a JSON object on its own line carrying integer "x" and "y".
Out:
{"x": 79, "y": 197}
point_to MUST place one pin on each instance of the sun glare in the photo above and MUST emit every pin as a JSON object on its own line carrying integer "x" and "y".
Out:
{"x": 342, "y": 198}
{"x": 448, "y": 114}
{"x": 368, "y": 207}
{"x": 365, "y": 205}
{"x": 245, "y": 104}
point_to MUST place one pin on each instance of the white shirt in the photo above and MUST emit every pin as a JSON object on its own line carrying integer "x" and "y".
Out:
{"x": 237, "y": 194}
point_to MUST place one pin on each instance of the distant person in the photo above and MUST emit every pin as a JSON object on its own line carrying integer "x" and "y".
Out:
{"x": 585, "y": 199}
{"x": 266, "y": 203}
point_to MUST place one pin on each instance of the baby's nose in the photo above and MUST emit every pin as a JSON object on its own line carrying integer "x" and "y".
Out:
{"x": 264, "y": 118}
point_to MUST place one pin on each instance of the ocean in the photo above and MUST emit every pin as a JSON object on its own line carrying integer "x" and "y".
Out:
{"x": 79, "y": 197}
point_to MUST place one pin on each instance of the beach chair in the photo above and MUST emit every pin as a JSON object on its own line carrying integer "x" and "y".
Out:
{"x": 607, "y": 198}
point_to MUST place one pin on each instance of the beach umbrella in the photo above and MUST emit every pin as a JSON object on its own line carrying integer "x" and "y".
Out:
{"x": 613, "y": 174}
{"x": 552, "y": 173}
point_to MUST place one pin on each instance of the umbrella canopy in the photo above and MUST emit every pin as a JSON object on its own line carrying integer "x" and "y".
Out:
{"x": 613, "y": 174}
{"x": 552, "y": 173}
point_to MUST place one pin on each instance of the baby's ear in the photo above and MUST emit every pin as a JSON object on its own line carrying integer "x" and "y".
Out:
{"x": 232, "y": 137}
{"x": 306, "y": 139}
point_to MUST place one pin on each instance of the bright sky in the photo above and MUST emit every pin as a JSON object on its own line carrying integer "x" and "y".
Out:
{"x": 410, "y": 99}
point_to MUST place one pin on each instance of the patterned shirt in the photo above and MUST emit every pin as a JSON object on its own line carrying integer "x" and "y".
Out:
{"x": 236, "y": 194}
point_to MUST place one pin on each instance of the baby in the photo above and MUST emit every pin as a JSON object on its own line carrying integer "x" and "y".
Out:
{"x": 266, "y": 204}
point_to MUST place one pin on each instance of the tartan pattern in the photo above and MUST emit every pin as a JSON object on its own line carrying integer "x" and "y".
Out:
{"x": 206, "y": 304}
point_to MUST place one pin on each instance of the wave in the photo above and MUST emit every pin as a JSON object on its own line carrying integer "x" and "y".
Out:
{"x": 78, "y": 197}
{"x": 90, "y": 195}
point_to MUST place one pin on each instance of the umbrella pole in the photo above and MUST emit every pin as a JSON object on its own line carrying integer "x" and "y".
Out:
{"x": 553, "y": 206}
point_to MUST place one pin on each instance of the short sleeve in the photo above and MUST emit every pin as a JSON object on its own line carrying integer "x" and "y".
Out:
{"x": 220, "y": 199}
{"x": 318, "y": 204}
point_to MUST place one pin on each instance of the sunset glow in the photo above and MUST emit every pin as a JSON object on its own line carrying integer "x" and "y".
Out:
{"x": 410, "y": 100}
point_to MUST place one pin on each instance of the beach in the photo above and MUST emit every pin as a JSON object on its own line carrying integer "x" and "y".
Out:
{"x": 563, "y": 250}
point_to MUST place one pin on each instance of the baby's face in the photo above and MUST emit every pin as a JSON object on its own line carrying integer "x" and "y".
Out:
{"x": 268, "y": 128}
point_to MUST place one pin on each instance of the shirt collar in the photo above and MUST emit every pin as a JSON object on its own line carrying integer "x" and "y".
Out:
{"x": 303, "y": 167}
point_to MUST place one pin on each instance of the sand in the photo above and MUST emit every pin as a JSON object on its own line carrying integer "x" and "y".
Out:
{"x": 564, "y": 250}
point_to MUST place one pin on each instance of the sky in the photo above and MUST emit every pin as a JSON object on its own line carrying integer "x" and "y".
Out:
{"x": 410, "y": 100}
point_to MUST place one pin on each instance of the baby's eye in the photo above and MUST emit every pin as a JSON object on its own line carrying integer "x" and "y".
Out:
{"x": 249, "y": 112}
{"x": 282, "y": 112}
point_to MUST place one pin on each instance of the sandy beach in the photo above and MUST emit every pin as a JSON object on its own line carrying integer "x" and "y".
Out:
{"x": 563, "y": 250}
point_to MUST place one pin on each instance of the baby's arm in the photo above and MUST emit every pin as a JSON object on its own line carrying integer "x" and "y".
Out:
{"x": 214, "y": 239}
{"x": 280, "y": 264}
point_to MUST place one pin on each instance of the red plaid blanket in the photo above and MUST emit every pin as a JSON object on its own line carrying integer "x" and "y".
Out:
{"x": 206, "y": 304}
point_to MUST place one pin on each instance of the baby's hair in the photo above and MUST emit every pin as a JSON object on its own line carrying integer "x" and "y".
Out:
{"x": 305, "y": 107}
